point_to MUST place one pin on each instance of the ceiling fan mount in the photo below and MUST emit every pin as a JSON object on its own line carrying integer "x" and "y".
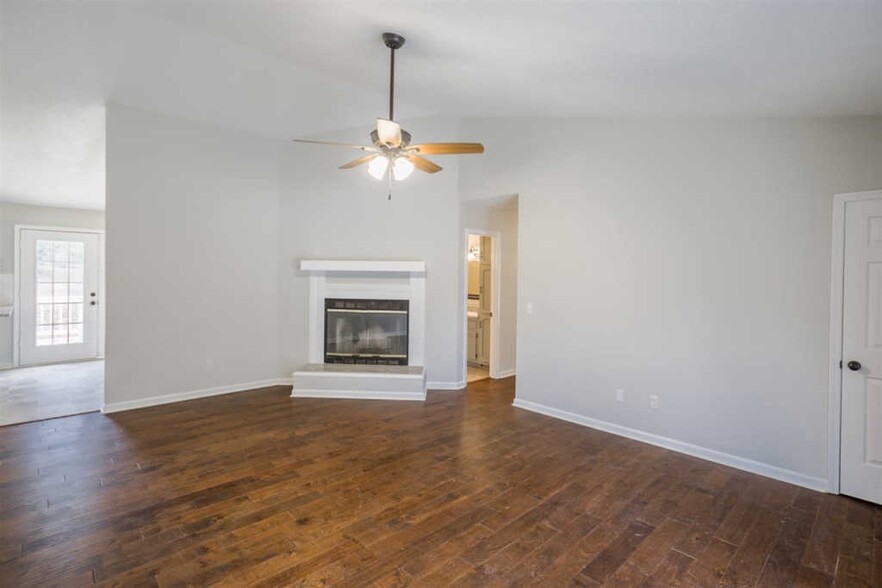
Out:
{"x": 393, "y": 41}
{"x": 391, "y": 151}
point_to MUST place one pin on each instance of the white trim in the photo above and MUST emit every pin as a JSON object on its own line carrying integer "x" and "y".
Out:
{"x": 837, "y": 285}
{"x": 16, "y": 283}
{"x": 191, "y": 395}
{"x": 505, "y": 374}
{"x": 741, "y": 463}
{"x": 446, "y": 385}
{"x": 354, "y": 265}
{"x": 358, "y": 374}
{"x": 358, "y": 395}
{"x": 495, "y": 300}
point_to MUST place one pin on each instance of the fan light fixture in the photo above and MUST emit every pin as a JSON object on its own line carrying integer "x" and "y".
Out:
{"x": 402, "y": 168}
{"x": 391, "y": 153}
{"x": 377, "y": 167}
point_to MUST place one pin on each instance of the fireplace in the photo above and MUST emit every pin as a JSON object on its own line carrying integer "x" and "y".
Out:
{"x": 366, "y": 332}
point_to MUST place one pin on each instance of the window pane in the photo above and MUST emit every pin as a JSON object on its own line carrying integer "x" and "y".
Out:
{"x": 59, "y": 314}
{"x": 60, "y": 274}
{"x": 61, "y": 251}
{"x": 59, "y": 334}
{"x": 44, "y": 336}
{"x": 44, "y": 292}
{"x": 59, "y": 292}
{"x": 76, "y": 313}
{"x": 45, "y": 251}
{"x": 44, "y": 272}
{"x": 44, "y": 314}
{"x": 76, "y": 292}
{"x": 75, "y": 334}
{"x": 76, "y": 272}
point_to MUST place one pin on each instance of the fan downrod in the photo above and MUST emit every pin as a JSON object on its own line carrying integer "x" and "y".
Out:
{"x": 393, "y": 40}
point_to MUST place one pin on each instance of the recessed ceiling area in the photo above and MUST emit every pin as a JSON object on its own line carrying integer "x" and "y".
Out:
{"x": 300, "y": 68}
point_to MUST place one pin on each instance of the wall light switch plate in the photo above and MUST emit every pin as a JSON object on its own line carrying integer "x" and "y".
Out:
{"x": 653, "y": 401}
{"x": 620, "y": 395}
{"x": 529, "y": 308}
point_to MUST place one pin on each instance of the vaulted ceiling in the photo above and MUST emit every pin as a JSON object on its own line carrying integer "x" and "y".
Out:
{"x": 292, "y": 68}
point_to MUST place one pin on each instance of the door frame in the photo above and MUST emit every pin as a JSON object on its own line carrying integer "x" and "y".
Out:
{"x": 16, "y": 284}
{"x": 837, "y": 294}
{"x": 495, "y": 282}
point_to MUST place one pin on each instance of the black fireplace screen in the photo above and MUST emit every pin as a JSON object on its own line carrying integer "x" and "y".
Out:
{"x": 370, "y": 332}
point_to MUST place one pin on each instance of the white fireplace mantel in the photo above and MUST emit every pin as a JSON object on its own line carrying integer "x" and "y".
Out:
{"x": 362, "y": 265}
{"x": 376, "y": 279}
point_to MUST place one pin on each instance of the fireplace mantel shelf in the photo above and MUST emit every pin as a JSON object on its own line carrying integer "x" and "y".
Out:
{"x": 362, "y": 265}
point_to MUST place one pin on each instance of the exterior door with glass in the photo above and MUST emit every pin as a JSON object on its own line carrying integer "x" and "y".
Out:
{"x": 58, "y": 296}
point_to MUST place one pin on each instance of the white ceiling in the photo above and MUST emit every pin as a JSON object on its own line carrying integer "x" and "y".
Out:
{"x": 293, "y": 68}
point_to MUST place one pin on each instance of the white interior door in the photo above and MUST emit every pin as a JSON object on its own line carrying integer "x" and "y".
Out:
{"x": 485, "y": 309}
{"x": 58, "y": 296}
{"x": 861, "y": 443}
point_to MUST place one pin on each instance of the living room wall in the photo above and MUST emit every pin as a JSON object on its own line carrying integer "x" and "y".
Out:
{"x": 192, "y": 259}
{"x": 206, "y": 228}
{"x": 688, "y": 259}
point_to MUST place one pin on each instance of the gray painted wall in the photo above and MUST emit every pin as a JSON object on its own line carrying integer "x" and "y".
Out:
{"x": 688, "y": 259}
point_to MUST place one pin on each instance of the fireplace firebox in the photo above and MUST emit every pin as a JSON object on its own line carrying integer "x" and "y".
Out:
{"x": 366, "y": 332}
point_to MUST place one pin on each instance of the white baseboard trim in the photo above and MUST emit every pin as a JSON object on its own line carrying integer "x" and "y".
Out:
{"x": 446, "y": 385}
{"x": 357, "y": 395}
{"x": 191, "y": 395}
{"x": 505, "y": 374}
{"x": 741, "y": 463}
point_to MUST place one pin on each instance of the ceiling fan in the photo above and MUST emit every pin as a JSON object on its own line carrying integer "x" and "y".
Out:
{"x": 391, "y": 150}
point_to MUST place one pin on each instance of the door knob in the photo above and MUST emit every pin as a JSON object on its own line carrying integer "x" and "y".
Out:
{"x": 854, "y": 365}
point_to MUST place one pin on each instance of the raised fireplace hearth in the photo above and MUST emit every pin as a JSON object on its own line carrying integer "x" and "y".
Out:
{"x": 366, "y": 331}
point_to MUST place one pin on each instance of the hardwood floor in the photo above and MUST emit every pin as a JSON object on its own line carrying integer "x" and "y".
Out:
{"x": 260, "y": 489}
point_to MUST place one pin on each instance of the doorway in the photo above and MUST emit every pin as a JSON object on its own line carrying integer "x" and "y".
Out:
{"x": 58, "y": 325}
{"x": 856, "y": 347}
{"x": 481, "y": 297}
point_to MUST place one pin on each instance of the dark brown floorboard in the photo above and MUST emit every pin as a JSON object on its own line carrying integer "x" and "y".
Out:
{"x": 260, "y": 489}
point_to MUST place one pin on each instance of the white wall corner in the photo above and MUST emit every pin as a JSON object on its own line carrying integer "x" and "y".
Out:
{"x": 741, "y": 463}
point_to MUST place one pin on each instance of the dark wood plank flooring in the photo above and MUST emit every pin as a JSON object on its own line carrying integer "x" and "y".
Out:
{"x": 260, "y": 489}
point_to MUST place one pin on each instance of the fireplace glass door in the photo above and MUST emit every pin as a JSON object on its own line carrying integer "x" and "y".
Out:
{"x": 372, "y": 332}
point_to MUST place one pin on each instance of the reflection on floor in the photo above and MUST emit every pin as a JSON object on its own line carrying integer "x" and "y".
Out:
{"x": 48, "y": 391}
{"x": 477, "y": 373}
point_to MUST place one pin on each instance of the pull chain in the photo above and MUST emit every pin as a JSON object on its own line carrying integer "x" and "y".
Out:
{"x": 389, "y": 173}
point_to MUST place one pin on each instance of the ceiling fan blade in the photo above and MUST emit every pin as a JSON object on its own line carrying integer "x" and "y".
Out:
{"x": 359, "y": 161}
{"x": 389, "y": 132}
{"x": 362, "y": 147}
{"x": 423, "y": 164}
{"x": 447, "y": 148}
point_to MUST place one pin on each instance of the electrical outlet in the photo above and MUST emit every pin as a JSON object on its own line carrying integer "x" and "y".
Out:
{"x": 653, "y": 401}
{"x": 620, "y": 395}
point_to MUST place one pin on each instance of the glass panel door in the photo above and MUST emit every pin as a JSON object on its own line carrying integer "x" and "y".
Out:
{"x": 59, "y": 278}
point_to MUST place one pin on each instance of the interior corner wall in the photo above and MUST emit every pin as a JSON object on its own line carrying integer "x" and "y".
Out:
{"x": 192, "y": 257}
{"x": 327, "y": 213}
{"x": 688, "y": 259}
{"x": 498, "y": 214}
{"x": 12, "y": 214}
